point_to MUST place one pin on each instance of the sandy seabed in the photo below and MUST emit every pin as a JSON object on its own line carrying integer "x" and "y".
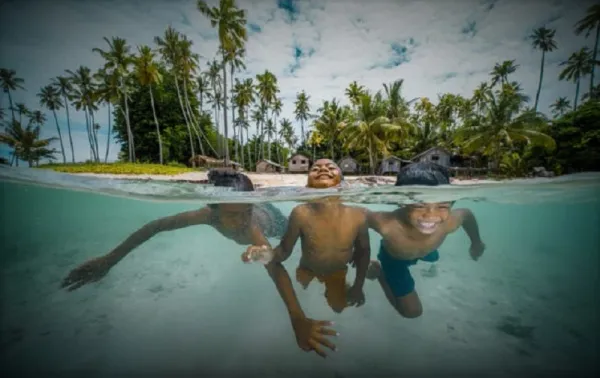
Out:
{"x": 263, "y": 180}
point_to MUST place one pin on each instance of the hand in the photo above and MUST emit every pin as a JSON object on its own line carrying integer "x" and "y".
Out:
{"x": 356, "y": 296}
{"x": 310, "y": 335}
{"x": 89, "y": 271}
{"x": 255, "y": 253}
{"x": 476, "y": 250}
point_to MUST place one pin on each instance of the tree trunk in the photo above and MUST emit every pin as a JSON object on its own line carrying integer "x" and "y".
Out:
{"x": 302, "y": 130}
{"x": 248, "y": 150}
{"x": 69, "y": 126}
{"x": 371, "y": 163}
{"x": 87, "y": 126}
{"x": 186, "y": 120}
{"x": 576, "y": 94}
{"x": 62, "y": 147}
{"x": 225, "y": 125}
{"x": 127, "y": 124}
{"x": 537, "y": 95}
{"x": 595, "y": 54}
{"x": 160, "y": 150}
{"x": 236, "y": 141}
{"x": 95, "y": 135}
{"x": 191, "y": 117}
{"x": 108, "y": 136}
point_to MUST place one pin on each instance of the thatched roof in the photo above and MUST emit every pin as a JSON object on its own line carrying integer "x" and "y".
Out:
{"x": 270, "y": 163}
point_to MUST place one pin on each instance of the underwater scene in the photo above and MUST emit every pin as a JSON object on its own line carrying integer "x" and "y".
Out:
{"x": 182, "y": 302}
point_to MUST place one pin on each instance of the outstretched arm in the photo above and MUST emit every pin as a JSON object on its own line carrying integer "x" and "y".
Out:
{"x": 362, "y": 255}
{"x": 173, "y": 222}
{"x": 286, "y": 246}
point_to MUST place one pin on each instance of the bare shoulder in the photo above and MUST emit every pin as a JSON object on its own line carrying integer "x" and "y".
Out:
{"x": 299, "y": 212}
{"x": 456, "y": 218}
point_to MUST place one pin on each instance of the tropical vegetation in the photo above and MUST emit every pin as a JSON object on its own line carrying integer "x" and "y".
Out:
{"x": 164, "y": 107}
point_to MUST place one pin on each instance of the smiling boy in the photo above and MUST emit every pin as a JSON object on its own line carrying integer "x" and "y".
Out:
{"x": 415, "y": 232}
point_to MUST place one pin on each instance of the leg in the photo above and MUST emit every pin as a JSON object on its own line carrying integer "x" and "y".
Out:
{"x": 397, "y": 283}
{"x": 336, "y": 290}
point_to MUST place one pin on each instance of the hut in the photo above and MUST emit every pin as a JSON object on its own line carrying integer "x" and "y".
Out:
{"x": 436, "y": 155}
{"x": 268, "y": 166}
{"x": 298, "y": 163}
{"x": 392, "y": 164}
{"x": 348, "y": 165}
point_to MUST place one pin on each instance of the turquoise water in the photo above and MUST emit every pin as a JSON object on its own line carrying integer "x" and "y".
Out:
{"x": 183, "y": 304}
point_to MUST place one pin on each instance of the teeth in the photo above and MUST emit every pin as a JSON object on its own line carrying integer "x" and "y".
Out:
{"x": 427, "y": 224}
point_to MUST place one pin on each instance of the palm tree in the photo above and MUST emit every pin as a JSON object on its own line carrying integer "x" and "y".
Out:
{"x": 50, "y": 99}
{"x": 22, "y": 109}
{"x": 236, "y": 63}
{"x": 331, "y": 122}
{"x": 118, "y": 59}
{"x": 267, "y": 93}
{"x": 560, "y": 107}
{"x": 83, "y": 91}
{"x": 286, "y": 132}
{"x": 277, "y": 107}
{"x": 370, "y": 130}
{"x": 26, "y": 141}
{"x": 301, "y": 111}
{"x": 146, "y": 71}
{"x": 169, "y": 46}
{"x": 578, "y": 65}
{"x": 501, "y": 124}
{"x": 10, "y": 82}
{"x": 354, "y": 93}
{"x": 590, "y": 22}
{"x": 64, "y": 87}
{"x": 230, "y": 22}
{"x": 542, "y": 39}
{"x": 502, "y": 70}
{"x": 108, "y": 93}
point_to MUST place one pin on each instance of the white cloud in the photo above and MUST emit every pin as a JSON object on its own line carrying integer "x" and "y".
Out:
{"x": 347, "y": 39}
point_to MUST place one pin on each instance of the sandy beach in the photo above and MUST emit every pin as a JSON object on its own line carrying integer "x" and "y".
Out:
{"x": 264, "y": 180}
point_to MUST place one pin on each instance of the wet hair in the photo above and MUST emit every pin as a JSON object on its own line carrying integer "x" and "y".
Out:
{"x": 228, "y": 178}
{"x": 430, "y": 174}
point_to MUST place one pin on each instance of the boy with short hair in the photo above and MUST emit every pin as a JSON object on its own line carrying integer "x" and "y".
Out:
{"x": 415, "y": 232}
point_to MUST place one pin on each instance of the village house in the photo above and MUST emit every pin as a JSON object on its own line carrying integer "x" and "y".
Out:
{"x": 348, "y": 165}
{"x": 392, "y": 164}
{"x": 298, "y": 163}
{"x": 268, "y": 166}
{"x": 436, "y": 155}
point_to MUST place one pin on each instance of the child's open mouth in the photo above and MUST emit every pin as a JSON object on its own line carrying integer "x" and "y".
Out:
{"x": 427, "y": 226}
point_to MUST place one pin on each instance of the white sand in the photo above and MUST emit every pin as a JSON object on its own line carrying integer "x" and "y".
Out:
{"x": 262, "y": 180}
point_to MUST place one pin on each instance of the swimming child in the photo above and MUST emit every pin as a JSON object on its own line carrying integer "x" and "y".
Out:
{"x": 331, "y": 235}
{"x": 415, "y": 232}
{"x": 241, "y": 222}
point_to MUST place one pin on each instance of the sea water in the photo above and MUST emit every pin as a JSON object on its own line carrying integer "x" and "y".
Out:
{"x": 183, "y": 303}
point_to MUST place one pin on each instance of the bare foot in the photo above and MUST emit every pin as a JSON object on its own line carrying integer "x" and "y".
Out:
{"x": 374, "y": 270}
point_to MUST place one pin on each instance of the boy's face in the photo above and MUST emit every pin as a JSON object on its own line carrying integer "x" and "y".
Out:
{"x": 427, "y": 217}
{"x": 324, "y": 174}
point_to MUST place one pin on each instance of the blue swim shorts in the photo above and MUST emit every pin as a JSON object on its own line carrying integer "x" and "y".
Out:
{"x": 396, "y": 271}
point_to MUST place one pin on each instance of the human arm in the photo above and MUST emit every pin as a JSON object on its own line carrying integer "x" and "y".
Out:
{"x": 466, "y": 219}
{"x": 361, "y": 258}
{"x": 94, "y": 269}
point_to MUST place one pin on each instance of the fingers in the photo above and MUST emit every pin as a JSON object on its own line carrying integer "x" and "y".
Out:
{"x": 324, "y": 341}
{"x": 315, "y": 346}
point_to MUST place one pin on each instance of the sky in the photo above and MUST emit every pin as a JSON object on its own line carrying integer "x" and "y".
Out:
{"x": 319, "y": 46}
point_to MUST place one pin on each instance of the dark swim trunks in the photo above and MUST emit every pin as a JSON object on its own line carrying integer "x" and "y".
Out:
{"x": 396, "y": 271}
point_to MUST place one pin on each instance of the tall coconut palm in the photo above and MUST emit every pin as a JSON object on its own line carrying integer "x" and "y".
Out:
{"x": 118, "y": 58}
{"x": 590, "y": 22}
{"x": 50, "y": 99}
{"x": 353, "y": 92}
{"x": 277, "y": 108}
{"x": 64, "y": 87}
{"x": 10, "y": 82}
{"x": 235, "y": 59}
{"x": 214, "y": 78}
{"x": 266, "y": 89}
{"x": 397, "y": 106}
{"x": 147, "y": 73}
{"x": 331, "y": 122}
{"x": 560, "y": 107}
{"x": 169, "y": 46}
{"x": 286, "y": 132}
{"x": 230, "y": 22}
{"x": 542, "y": 39}
{"x": 108, "y": 92}
{"x": 578, "y": 66}
{"x": 243, "y": 99}
{"x": 22, "y": 109}
{"x": 82, "y": 100}
{"x": 301, "y": 111}
{"x": 502, "y": 70}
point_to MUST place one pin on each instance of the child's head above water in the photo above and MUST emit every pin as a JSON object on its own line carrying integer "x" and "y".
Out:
{"x": 429, "y": 174}
{"x": 228, "y": 178}
{"x": 324, "y": 173}
{"x": 425, "y": 217}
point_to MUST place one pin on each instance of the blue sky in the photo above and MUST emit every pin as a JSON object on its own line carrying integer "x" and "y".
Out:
{"x": 320, "y": 46}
